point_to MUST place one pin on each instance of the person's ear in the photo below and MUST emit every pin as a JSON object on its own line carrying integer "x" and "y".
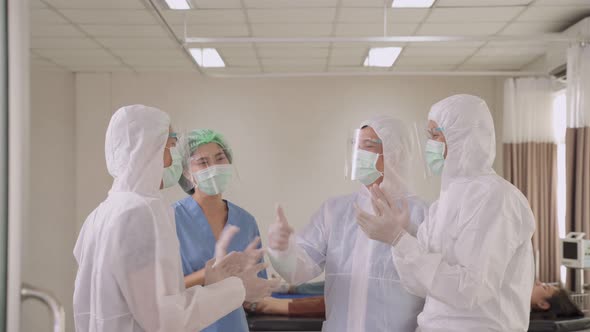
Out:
{"x": 543, "y": 305}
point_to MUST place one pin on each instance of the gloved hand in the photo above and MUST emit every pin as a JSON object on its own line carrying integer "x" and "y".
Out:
{"x": 279, "y": 232}
{"x": 257, "y": 288}
{"x": 231, "y": 265}
{"x": 223, "y": 265}
{"x": 390, "y": 221}
{"x": 253, "y": 253}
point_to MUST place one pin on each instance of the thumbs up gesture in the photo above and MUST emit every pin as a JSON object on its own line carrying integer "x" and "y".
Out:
{"x": 279, "y": 232}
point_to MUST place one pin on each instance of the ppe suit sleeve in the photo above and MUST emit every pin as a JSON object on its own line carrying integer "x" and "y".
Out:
{"x": 483, "y": 248}
{"x": 147, "y": 270}
{"x": 306, "y": 256}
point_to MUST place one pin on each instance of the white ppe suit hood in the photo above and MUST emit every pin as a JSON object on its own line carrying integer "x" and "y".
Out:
{"x": 398, "y": 151}
{"x": 129, "y": 271}
{"x": 134, "y": 149}
{"x": 469, "y": 130}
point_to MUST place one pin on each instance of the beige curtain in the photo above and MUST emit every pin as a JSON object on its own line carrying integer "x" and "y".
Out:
{"x": 578, "y": 184}
{"x": 532, "y": 168}
{"x": 578, "y": 143}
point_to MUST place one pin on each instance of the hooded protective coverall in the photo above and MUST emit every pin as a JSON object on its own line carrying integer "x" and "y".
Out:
{"x": 363, "y": 291}
{"x": 129, "y": 276}
{"x": 472, "y": 259}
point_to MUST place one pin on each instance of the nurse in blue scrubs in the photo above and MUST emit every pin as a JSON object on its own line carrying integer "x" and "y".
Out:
{"x": 201, "y": 217}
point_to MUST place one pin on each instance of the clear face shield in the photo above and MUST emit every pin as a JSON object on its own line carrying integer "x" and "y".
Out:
{"x": 430, "y": 138}
{"x": 210, "y": 169}
{"x": 364, "y": 161}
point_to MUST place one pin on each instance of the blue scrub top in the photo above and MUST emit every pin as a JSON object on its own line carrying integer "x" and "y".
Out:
{"x": 197, "y": 246}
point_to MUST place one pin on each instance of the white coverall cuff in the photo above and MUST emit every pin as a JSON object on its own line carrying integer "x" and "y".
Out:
{"x": 405, "y": 245}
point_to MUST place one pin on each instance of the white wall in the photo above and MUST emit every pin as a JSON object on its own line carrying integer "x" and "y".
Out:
{"x": 288, "y": 135}
{"x": 49, "y": 233}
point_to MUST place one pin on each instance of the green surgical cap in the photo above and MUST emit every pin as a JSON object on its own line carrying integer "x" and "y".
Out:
{"x": 200, "y": 137}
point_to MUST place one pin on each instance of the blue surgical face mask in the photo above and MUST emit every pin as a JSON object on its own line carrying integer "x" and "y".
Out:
{"x": 214, "y": 180}
{"x": 435, "y": 156}
{"x": 365, "y": 167}
{"x": 173, "y": 172}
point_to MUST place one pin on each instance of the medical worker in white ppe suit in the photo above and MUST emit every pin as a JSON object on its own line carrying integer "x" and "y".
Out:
{"x": 472, "y": 257}
{"x": 363, "y": 291}
{"x": 129, "y": 277}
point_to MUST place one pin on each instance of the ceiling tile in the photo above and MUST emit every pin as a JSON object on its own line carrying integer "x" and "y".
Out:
{"x": 293, "y": 62}
{"x": 565, "y": 14}
{"x": 362, "y": 3}
{"x": 164, "y": 53}
{"x": 241, "y": 62}
{"x": 290, "y": 3}
{"x": 482, "y": 3}
{"x": 212, "y": 30}
{"x": 205, "y": 16}
{"x": 99, "y": 69}
{"x": 138, "y": 43}
{"x": 302, "y": 15}
{"x": 366, "y": 45}
{"x": 46, "y": 16}
{"x": 291, "y": 30}
{"x": 511, "y": 51}
{"x": 55, "y": 30}
{"x": 533, "y": 28}
{"x": 243, "y": 51}
{"x": 293, "y": 52}
{"x": 191, "y": 68}
{"x": 441, "y": 29}
{"x": 498, "y": 62}
{"x": 459, "y": 44}
{"x": 36, "y": 4}
{"x": 109, "y": 16}
{"x": 416, "y": 50}
{"x": 517, "y": 44}
{"x": 349, "y": 52}
{"x": 157, "y": 60}
{"x": 86, "y": 61}
{"x": 216, "y": 4}
{"x": 93, "y": 4}
{"x": 346, "y": 61}
{"x": 124, "y": 30}
{"x": 582, "y": 3}
{"x": 357, "y": 69}
{"x": 61, "y": 43}
{"x": 294, "y": 69}
{"x": 432, "y": 60}
{"x": 373, "y": 30}
{"x": 422, "y": 68}
{"x": 489, "y": 66}
{"x": 62, "y": 53}
{"x": 374, "y": 15}
{"x": 232, "y": 71}
{"x": 490, "y": 14}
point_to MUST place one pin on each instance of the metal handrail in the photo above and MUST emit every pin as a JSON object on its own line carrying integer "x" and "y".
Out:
{"x": 57, "y": 310}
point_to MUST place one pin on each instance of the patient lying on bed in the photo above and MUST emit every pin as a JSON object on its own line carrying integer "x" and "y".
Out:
{"x": 552, "y": 303}
{"x": 547, "y": 303}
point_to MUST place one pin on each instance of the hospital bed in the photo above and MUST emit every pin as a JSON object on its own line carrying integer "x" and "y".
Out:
{"x": 260, "y": 323}
{"x": 570, "y": 325}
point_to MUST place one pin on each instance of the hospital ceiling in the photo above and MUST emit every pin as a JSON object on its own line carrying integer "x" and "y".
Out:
{"x": 143, "y": 35}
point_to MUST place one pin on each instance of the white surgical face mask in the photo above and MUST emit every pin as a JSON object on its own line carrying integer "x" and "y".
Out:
{"x": 365, "y": 167}
{"x": 435, "y": 156}
{"x": 173, "y": 172}
{"x": 214, "y": 180}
